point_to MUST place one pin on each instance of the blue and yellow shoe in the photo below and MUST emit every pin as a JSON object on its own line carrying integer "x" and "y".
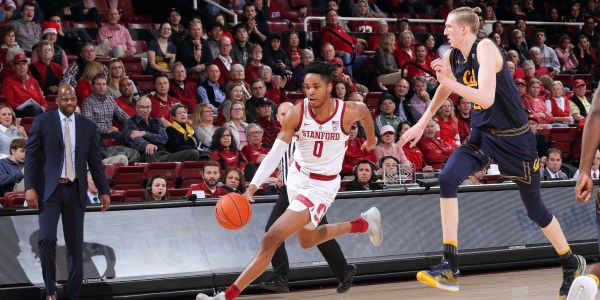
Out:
{"x": 569, "y": 276}
{"x": 441, "y": 277}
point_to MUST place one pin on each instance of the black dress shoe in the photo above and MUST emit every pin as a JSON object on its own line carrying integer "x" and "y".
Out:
{"x": 276, "y": 284}
{"x": 346, "y": 281}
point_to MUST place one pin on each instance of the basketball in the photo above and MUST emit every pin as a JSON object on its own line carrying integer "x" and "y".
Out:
{"x": 233, "y": 211}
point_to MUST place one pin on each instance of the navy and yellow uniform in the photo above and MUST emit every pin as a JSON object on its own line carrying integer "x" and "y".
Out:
{"x": 499, "y": 134}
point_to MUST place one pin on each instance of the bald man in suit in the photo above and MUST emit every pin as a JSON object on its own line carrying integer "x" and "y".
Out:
{"x": 61, "y": 147}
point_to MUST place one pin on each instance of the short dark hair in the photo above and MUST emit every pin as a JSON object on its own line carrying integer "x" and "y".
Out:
{"x": 85, "y": 45}
{"x": 324, "y": 69}
{"x": 420, "y": 45}
{"x": 18, "y": 144}
{"x": 28, "y": 3}
{"x": 176, "y": 106}
{"x": 554, "y": 150}
{"x": 211, "y": 163}
{"x": 159, "y": 76}
{"x": 98, "y": 76}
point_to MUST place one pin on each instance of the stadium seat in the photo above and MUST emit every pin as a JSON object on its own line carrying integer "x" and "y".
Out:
{"x": 128, "y": 13}
{"x": 562, "y": 139}
{"x": 143, "y": 82}
{"x": 371, "y": 100}
{"x": 437, "y": 28}
{"x": 101, "y": 5}
{"x": 191, "y": 173}
{"x": 585, "y": 77}
{"x": 51, "y": 100}
{"x": 166, "y": 169}
{"x": 26, "y": 122}
{"x": 90, "y": 27}
{"x": 132, "y": 195}
{"x": 278, "y": 27}
{"x": 128, "y": 177}
{"x": 300, "y": 3}
{"x": 177, "y": 194}
{"x": 117, "y": 196}
{"x": 14, "y": 199}
{"x": 133, "y": 65}
{"x": 546, "y": 133}
{"x": 566, "y": 79}
{"x": 419, "y": 28}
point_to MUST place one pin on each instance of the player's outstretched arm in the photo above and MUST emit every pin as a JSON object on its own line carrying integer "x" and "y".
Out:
{"x": 271, "y": 161}
{"x": 589, "y": 143}
{"x": 356, "y": 111}
{"x": 442, "y": 68}
{"x": 490, "y": 61}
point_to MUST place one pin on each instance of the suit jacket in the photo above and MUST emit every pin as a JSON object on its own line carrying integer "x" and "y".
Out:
{"x": 546, "y": 175}
{"x": 45, "y": 155}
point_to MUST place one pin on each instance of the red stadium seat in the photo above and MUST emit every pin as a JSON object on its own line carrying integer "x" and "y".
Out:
{"x": 419, "y": 28}
{"x": 90, "y": 27}
{"x": 371, "y": 100}
{"x": 51, "y": 100}
{"x": 143, "y": 82}
{"x": 191, "y": 173}
{"x": 300, "y": 3}
{"x": 278, "y": 26}
{"x": 166, "y": 169}
{"x": 133, "y": 65}
{"x": 101, "y": 5}
{"x": 546, "y": 133}
{"x": 177, "y": 194}
{"x": 566, "y": 79}
{"x": 128, "y": 13}
{"x": 585, "y": 77}
{"x": 26, "y": 123}
{"x": 117, "y": 196}
{"x": 562, "y": 138}
{"x": 437, "y": 28}
{"x": 14, "y": 199}
{"x": 128, "y": 177}
{"x": 133, "y": 195}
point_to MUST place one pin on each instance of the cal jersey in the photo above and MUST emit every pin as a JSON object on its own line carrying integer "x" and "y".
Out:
{"x": 321, "y": 146}
{"x": 506, "y": 112}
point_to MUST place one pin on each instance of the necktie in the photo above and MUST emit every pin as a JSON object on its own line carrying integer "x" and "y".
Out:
{"x": 69, "y": 171}
{"x": 96, "y": 200}
{"x": 594, "y": 175}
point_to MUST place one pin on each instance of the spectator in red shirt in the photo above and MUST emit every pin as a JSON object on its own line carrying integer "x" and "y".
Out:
{"x": 208, "y": 186}
{"x": 435, "y": 151}
{"x": 126, "y": 102}
{"x": 430, "y": 43}
{"x": 513, "y": 56}
{"x": 405, "y": 51}
{"x": 182, "y": 89}
{"x": 254, "y": 62}
{"x": 463, "y": 114}
{"x": 536, "y": 56}
{"x": 225, "y": 150}
{"x": 44, "y": 70}
{"x": 355, "y": 152}
{"x": 342, "y": 42}
{"x": 559, "y": 105}
{"x": 20, "y": 87}
{"x": 448, "y": 123}
{"x": 266, "y": 121}
{"x": 224, "y": 61}
{"x": 274, "y": 85}
{"x": 84, "y": 84}
{"x": 413, "y": 153}
{"x": 161, "y": 101}
{"x": 373, "y": 42}
{"x": 363, "y": 11}
{"x": 293, "y": 49}
{"x": 254, "y": 151}
{"x": 421, "y": 60}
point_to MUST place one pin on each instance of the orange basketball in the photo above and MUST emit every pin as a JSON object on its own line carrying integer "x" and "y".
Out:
{"x": 233, "y": 211}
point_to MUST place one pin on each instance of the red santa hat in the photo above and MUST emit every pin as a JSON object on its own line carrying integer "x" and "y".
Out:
{"x": 50, "y": 27}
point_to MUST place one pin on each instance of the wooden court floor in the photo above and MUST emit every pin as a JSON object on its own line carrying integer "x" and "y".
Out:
{"x": 528, "y": 284}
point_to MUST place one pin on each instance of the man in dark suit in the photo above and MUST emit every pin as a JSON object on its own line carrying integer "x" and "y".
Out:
{"x": 552, "y": 166}
{"x": 60, "y": 148}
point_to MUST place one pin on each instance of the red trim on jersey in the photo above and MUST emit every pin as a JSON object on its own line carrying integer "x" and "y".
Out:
{"x": 301, "y": 115}
{"x": 305, "y": 201}
{"x": 316, "y": 176}
{"x": 329, "y": 118}
{"x": 342, "y": 119}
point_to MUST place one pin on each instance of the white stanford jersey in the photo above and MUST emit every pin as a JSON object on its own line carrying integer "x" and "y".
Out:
{"x": 321, "y": 147}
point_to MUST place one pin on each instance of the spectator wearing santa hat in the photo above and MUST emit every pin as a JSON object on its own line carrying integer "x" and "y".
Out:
{"x": 50, "y": 33}
{"x": 44, "y": 70}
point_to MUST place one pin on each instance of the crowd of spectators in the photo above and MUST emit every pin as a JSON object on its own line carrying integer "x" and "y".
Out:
{"x": 241, "y": 74}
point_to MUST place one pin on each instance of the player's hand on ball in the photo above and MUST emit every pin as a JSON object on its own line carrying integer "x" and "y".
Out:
{"x": 249, "y": 194}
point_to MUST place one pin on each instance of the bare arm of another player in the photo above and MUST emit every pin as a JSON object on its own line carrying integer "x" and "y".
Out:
{"x": 441, "y": 94}
{"x": 357, "y": 111}
{"x": 271, "y": 161}
{"x": 589, "y": 143}
{"x": 490, "y": 61}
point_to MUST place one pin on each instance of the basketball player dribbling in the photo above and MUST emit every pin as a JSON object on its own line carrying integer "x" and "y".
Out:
{"x": 500, "y": 132}
{"x": 321, "y": 125}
